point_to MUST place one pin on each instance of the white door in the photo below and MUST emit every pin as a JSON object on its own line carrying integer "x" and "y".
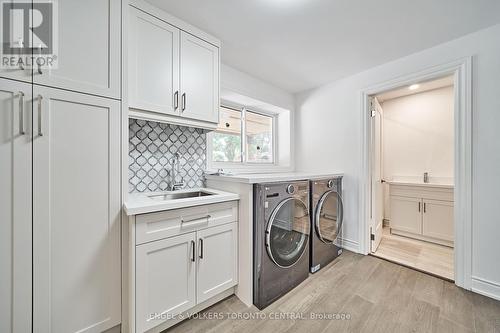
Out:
{"x": 217, "y": 260}
{"x": 438, "y": 219}
{"x": 199, "y": 79}
{"x": 15, "y": 206}
{"x": 165, "y": 280}
{"x": 377, "y": 194}
{"x": 406, "y": 214}
{"x": 76, "y": 212}
{"x": 153, "y": 64}
{"x": 88, "y": 48}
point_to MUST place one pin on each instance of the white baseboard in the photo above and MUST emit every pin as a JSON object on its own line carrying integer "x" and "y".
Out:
{"x": 487, "y": 288}
{"x": 350, "y": 245}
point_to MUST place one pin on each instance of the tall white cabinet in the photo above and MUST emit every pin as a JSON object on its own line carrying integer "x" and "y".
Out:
{"x": 15, "y": 206}
{"x": 76, "y": 211}
{"x": 60, "y": 174}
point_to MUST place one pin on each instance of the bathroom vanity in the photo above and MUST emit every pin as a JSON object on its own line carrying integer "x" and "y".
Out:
{"x": 422, "y": 210}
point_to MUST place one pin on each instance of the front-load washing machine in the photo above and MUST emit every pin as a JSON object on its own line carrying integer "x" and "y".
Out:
{"x": 327, "y": 216}
{"x": 281, "y": 239}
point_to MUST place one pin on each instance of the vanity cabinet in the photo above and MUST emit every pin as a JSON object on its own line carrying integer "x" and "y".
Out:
{"x": 422, "y": 212}
{"x": 173, "y": 74}
{"x": 180, "y": 261}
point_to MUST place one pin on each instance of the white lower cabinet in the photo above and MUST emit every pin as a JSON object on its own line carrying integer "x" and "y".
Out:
{"x": 217, "y": 260}
{"x": 165, "y": 279}
{"x": 406, "y": 214}
{"x": 182, "y": 272}
{"x": 422, "y": 212}
{"x": 438, "y": 219}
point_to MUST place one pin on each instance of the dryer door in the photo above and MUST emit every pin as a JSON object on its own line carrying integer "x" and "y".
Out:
{"x": 329, "y": 216}
{"x": 287, "y": 232}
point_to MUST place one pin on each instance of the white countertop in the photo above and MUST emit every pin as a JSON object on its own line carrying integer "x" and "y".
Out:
{"x": 141, "y": 203}
{"x": 419, "y": 183}
{"x": 256, "y": 178}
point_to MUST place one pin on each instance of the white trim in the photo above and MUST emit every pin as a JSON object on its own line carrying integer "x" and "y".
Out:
{"x": 350, "y": 245}
{"x": 462, "y": 70}
{"x": 486, "y": 288}
{"x": 172, "y": 20}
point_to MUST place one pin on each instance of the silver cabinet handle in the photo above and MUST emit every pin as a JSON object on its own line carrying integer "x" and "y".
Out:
{"x": 201, "y": 248}
{"x": 39, "y": 61}
{"x": 21, "y": 113}
{"x": 192, "y": 251}
{"x": 183, "y": 102}
{"x": 425, "y": 208}
{"x": 176, "y": 100}
{"x": 40, "y": 115}
{"x": 195, "y": 221}
{"x": 419, "y": 206}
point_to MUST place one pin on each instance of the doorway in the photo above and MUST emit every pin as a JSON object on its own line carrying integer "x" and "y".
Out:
{"x": 370, "y": 227}
{"x": 412, "y": 176}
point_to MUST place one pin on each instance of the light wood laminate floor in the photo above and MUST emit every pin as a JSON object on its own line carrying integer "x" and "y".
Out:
{"x": 428, "y": 257}
{"x": 379, "y": 296}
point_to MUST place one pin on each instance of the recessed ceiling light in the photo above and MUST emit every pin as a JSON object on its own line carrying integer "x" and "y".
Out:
{"x": 414, "y": 86}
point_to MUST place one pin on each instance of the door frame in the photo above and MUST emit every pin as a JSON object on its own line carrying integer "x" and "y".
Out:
{"x": 461, "y": 69}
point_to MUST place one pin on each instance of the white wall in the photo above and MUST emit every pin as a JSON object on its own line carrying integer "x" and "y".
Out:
{"x": 328, "y": 137}
{"x": 418, "y": 135}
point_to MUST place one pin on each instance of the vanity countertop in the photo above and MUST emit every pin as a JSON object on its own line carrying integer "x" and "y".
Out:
{"x": 149, "y": 202}
{"x": 420, "y": 183}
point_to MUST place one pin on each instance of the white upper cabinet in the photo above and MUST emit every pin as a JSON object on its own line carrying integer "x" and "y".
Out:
{"x": 173, "y": 70}
{"x": 88, "y": 48}
{"x": 153, "y": 63}
{"x": 15, "y": 206}
{"x": 76, "y": 212}
{"x": 199, "y": 79}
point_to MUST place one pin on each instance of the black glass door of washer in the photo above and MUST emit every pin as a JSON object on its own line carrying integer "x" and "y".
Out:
{"x": 328, "y": 219}
{"x": 287, "y": 232}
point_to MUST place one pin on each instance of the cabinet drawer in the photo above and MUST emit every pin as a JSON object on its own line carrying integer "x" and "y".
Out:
{"x": 154, "y": 226}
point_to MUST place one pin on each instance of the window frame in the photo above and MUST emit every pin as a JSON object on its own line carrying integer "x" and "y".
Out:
{"x": 244, "y": 163}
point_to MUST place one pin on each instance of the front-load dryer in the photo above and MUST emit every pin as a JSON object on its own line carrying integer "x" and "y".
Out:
{"x": 327, "y": 216}
{"x": 281, "y": 239}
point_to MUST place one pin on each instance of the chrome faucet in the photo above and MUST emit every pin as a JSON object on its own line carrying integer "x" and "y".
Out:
{"x": 175, "y": 171}
{"x": 426, "y": 177}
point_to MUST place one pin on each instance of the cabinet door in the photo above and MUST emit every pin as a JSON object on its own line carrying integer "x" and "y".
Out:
{"x": 20, "y": 60}
{"x": 15, "y": 206}
{"x": 165, "y": 280}
{"x": 76, "y": 212}
{"x": 438, "y": 219}
{"x": 217, "y": 260}
{"x": 88, "y": 48}
{"x": 199, "y": 79}
{"x": 406, "y": 214}
{"x": 153, "y": 64}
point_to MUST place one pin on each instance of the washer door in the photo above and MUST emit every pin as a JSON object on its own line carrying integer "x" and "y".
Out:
{"x": 287, "y": 232}
{"x": 329, "y": 216}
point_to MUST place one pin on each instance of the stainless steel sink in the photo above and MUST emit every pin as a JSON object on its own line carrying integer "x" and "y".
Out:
{"x": 180, "y": 195}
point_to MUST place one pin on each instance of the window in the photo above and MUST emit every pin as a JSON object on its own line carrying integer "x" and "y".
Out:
{"x": 226, "y": 140}
{"x": 243, "y": 128}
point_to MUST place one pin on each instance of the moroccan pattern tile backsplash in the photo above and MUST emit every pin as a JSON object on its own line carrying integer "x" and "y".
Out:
{"x": 151, "y": 149}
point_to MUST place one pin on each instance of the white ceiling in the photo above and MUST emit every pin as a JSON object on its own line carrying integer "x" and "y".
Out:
{"x": 301, "y": 44}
